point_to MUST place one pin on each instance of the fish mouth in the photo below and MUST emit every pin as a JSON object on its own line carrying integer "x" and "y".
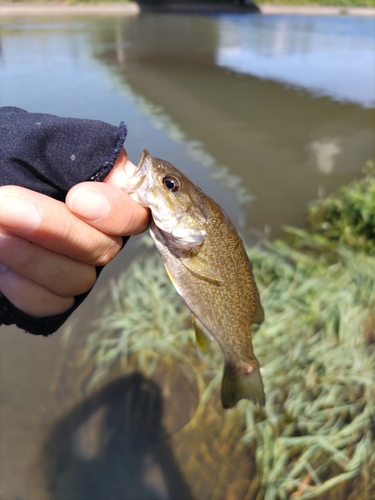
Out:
{"x": 139, "y": 175}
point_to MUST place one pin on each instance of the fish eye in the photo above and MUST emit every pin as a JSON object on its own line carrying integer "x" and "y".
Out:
{"x": 171, "y": 183}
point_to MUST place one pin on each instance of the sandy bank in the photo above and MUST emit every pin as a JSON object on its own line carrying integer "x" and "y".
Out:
{"x": 132, "y": 8}
{"x": 12, "y": 9}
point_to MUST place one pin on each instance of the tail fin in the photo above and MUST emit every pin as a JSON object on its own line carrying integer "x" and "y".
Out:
{"x": 237, "y": 386}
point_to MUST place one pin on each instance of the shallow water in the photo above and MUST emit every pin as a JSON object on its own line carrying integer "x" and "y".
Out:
{"x": 264, "y": 113}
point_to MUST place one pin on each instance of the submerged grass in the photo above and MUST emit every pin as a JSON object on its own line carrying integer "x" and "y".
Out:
{"x": 318, "y": 427}
{"x": 316, "y": 436}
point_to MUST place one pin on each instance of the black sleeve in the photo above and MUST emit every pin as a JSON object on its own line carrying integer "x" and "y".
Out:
{"x": 50, "y": 154}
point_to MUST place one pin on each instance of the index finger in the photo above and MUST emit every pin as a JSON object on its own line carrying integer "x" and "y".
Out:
{"x": 48, "y": 222}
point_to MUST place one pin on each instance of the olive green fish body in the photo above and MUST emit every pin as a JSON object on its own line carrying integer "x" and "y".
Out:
{"x": 207, "y": 262}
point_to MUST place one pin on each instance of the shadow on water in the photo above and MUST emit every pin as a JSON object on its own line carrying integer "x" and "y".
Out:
{"x": 111, "y": 445}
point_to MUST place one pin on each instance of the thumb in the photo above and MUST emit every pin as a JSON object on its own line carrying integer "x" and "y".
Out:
{"x": 121, "y": 171}
{"x": 106, "y": 206}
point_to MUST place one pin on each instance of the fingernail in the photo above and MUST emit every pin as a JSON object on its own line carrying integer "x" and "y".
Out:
{"x": 18, "y": 213}
{"x": 90, "y": 204}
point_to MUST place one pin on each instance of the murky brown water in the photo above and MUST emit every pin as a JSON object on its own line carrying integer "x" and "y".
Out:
{"x": 260, "y": 147}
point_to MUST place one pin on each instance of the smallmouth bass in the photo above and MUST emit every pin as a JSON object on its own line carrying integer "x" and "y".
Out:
{"x": 208, "y": 265}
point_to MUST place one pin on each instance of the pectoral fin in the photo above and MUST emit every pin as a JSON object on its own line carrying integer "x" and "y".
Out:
{"x": 202, "y": 337}
{"x": 201, "y": 268}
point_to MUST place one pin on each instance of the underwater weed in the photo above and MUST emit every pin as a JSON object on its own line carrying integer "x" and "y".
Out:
{"x": 318, "y": 427}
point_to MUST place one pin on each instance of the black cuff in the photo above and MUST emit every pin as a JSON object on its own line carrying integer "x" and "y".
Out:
{"x": 50, "y": 154}
{"x": 10, "y": 315}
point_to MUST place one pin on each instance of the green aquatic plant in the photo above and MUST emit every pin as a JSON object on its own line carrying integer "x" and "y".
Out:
{"x": 319, "y": 372}
{"x": 348, "y": 216}
{"x": 144, "y": 318}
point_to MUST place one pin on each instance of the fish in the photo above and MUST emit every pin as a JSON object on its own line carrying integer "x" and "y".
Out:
{"x": 207, "y": 263}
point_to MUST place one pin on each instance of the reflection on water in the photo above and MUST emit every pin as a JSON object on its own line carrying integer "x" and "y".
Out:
{"x": 324, "y": 153}
{"x": 234, "y": 134}
{"x": 329, "y": 56}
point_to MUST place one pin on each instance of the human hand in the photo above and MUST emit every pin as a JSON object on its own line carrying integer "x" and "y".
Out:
{"x": 49, "y": 250}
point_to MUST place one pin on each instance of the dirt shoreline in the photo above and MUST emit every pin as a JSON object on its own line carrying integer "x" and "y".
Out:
{"x": 132, "y": 8}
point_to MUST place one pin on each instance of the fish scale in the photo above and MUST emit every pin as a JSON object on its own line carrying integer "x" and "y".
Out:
{"x": 209, "y": 267}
